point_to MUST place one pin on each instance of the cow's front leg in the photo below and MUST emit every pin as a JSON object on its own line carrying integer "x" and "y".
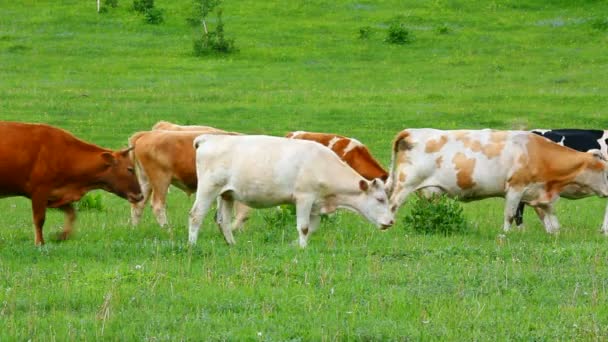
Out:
{"x": 70, "y": 217}
{"x": 204, "y": 199}
{"x": 39, "y": 202}
{"x": 137, "y": 209}
{"x": 512, "y": 199}
{"x": 225, "y": 215}
{"x": 303, "y": 210}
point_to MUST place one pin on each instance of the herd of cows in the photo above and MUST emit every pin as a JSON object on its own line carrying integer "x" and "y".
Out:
{"x": 317, "y": 172}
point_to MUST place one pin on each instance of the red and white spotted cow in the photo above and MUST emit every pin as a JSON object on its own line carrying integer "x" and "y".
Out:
{"x": 350, "y": 150}
{"x": 53, "y": 168}
{"x": 472, "y": 165}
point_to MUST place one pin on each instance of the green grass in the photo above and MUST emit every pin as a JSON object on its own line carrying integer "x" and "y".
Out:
{"x": 301, "y": 66}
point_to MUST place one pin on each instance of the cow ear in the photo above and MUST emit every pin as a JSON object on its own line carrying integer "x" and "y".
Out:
{"x": 597, "y": 154}
{"x": 125, "y": 152}
{"x": 108, "y": 158}
{"x": 363, "y": 185}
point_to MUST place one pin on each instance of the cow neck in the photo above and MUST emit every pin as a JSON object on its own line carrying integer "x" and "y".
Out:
{"x": 86, "y": 164}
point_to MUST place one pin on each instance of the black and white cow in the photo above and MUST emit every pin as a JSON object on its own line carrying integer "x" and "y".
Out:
{"x": 584, "y": 140}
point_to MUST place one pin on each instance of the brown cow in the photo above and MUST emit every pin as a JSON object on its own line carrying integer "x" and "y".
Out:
{"x": 163, "y": 158}
{"x": 53, "y": 168}
{"x": 350, "y": 150}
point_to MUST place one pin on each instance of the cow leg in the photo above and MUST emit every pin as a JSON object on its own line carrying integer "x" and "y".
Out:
{"x": 70, "y": 217}
{"x": 303, "y": 210}
{"x": 548, "y": 218}
{"x": 39, "y": 201}
{"x": 605, "y": 224}
{"x": 160, "y": 187}
{"x": 519, "y": 215}
{"x": 225, "y": 213}
{"x": 205, "y": 195}
{"x": 512, "y": 199}
{"x": 137, "y": 209}
{"x": 241, "y": 215}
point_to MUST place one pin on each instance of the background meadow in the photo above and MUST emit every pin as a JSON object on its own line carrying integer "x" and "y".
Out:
{"x": 301, "y": 65}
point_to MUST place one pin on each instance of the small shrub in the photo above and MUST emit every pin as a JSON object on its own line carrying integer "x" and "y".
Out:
{"x": 154, "y": 16}
{"x": 143, "y": 6}
{"x": 110, "y": 3}
{"x": 443, "y": 30}
{"x": 436, "y": 215}
{"x": 214, "y": 41}
{"x": 90, "y": 201}
{"x": 600, "y": 24}
{"x": 281, "y": 216}
{"x": 365, "y": 32}
{"x": 398, "y": 34}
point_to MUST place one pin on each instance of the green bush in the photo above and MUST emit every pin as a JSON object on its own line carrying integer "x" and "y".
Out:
{"x": 154, "y": 16}
{"x": 143, "y": 6}
{"x": 600, "y": 24}
{"x": 90, "y": 201}
{"x": 365, "y": 32}
{"x": 438, "y": 214}
{"x": 398, "y": 34}
{"x": 214, "y": 41}
{"x": 281, "y": 216}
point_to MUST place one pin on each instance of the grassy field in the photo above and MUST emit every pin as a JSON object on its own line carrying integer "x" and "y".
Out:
{"x": 301, "y": 66}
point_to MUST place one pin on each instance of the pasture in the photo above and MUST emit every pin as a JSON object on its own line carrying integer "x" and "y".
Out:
{"x": 302, "y": 66}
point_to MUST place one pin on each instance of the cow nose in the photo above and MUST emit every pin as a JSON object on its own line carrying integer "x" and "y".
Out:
{"x": 385, "y": 226}
{"x": 136, "y": 197}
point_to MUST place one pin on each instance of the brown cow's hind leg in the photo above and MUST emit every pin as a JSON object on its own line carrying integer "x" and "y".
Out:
{"x": 70, "y": 217}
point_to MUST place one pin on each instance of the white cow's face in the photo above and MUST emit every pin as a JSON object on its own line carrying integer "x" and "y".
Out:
{"x": 374, "y": 204}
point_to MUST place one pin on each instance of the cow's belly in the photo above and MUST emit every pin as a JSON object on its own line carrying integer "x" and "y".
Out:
{"x": 479, "y": 189}
{"x": 257, "y": 195}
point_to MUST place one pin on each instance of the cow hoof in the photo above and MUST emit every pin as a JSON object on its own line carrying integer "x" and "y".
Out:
{"x": 61, "y": 236}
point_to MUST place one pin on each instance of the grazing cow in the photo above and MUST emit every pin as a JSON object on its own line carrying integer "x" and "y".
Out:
{"x": 263, "y": 171}
{"x": 583, "y": 140}
{"x": 517, "y": 165}
{"x": 350, "y": 150}
{"x": 164, "y": 158}
{"x": 168, "y": 126}
{"x": 53, "y": 168}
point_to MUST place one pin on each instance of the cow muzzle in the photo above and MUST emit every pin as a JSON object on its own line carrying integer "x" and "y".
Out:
{"x": 385, "y": 226}
{"x": 134, "y": 198}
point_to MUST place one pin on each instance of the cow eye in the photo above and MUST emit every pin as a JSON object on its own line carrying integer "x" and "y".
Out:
{"x": 381, "y": 200}
{"x": 131, "y": 170}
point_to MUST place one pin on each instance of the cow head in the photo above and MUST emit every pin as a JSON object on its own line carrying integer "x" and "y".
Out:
{"x": 118, "y": 175}
{"x": 374, "y": 204}
{"x": 595, "y": 178}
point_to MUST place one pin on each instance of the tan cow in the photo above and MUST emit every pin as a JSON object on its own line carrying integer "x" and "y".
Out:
{"x": 53, "y": 168}
{"x": 350, "y": 150}
{"x": 164, "y": 158}
{"x": 168, "y": 126}
{"x": 471, "y": 165}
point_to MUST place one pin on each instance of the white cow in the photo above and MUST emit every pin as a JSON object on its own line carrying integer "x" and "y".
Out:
{"x": 471, "y": 165}
{"x": 263, "y": 171}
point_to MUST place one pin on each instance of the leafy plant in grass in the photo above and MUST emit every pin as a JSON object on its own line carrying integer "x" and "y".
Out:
{"x": 600, "y": 24}
{"x": 90, "y": 201}
{"x": 210, "y": 41}
{"x": 365, "y": 32}
{"x": 438, "y": 214}
{"x": 103, "y": 6}
{"x": 143, "y": 6}
{"x": 281, "y": 216}
{"x": 398, "y": 34}
{"x": 152, "y": 15}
